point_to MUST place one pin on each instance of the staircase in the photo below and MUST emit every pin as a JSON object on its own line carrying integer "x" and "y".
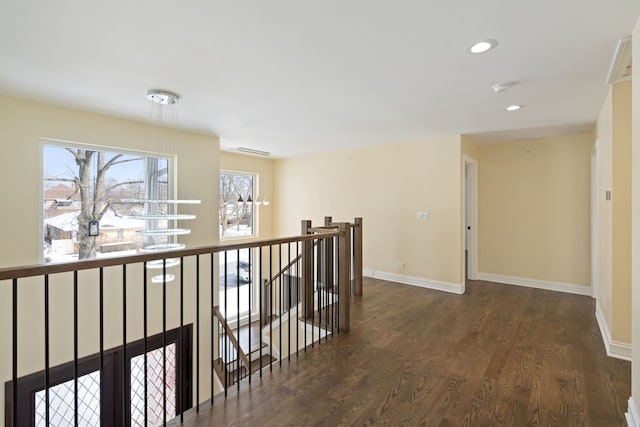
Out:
{"x": 259, "y": 349}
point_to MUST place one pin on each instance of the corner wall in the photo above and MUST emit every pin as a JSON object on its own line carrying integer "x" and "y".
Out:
{"x": 534, "y": 220}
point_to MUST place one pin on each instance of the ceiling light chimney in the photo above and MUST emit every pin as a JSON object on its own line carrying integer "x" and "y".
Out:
{"x": 501, "y": 87}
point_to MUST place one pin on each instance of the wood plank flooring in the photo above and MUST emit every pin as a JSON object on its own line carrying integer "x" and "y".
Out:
{"x": 498, "y": 355}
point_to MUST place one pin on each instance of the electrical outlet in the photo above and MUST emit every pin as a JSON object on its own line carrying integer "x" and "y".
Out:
{"x": 400, "y": 265}
{"x": 422, "y": 216}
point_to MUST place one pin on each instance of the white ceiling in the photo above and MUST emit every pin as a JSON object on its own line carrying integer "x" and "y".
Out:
{"x": 300, "y": 76}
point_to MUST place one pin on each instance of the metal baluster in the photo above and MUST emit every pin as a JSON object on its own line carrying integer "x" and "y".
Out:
{"x": 164, "y": 341}
{"x": 280, "y": 298}
{"x": 260, "y": 305}
{"x": 250, "y": 303}
{"x": 75, "y": 347}
{"x": 146, "y": 343}
{"x": 14, "y": 356}
{"x": 238, "y": 317}
{"x": 270, "y": 304}
{"x": 197, "y": 334}
{"x": 179, "y": 353}
{"x": 289, "y": 302}
{"x": 124, "y": 344}
{"x": 226, "y": 339}
{"x": 101, "y": 280}
{"x": 46, "y": 349}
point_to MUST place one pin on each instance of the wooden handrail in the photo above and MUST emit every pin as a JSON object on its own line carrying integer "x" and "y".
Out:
{"x": 232, "y": 338}
{"x": 42, "y": 269}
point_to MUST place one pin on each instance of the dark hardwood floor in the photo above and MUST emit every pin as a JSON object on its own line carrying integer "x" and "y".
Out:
{"x": 498, "y": 355}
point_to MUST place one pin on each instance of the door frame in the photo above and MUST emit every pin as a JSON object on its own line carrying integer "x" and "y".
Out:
{"x": 470, "y": 193}
{"x": 595, "y": 221}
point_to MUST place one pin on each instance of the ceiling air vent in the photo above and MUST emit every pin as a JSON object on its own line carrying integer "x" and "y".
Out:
{"x": 253, "y": 151}
{"x": 620, "y": 69}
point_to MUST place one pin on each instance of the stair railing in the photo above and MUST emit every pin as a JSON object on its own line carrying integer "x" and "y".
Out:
{"x": 111, "y": 312}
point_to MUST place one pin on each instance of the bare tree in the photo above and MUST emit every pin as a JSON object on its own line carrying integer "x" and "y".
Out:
{"x": 95, "y": 194}
{"x": 231, "y": 212}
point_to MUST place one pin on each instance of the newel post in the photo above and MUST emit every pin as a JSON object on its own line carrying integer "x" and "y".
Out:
{"x": 327, "y": 259}
{"x": 357, "y": 256}
{"x": 344, "y": 276}
{"x": 306, "y": 287}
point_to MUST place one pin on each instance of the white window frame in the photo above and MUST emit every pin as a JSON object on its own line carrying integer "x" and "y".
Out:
{"x": 171, "y": 179}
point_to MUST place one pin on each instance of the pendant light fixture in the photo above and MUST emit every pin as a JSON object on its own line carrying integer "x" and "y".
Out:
{"x": 158, "y": 213}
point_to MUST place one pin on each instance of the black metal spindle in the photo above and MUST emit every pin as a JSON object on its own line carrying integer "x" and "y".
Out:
{"x": 14, "y": 356}
{"x": 124, "y": 345}
{"x": 197, "y": 333}
{"x": 337, "y": 264}
{"x": 213, "y": 335}
{"x": 260, "y": 305}
{"x": 145, "y": 309}
{"x": 46, "y": 349}
{"x": 226, "y": 339}
{"x": 180, "y": 347}
{"x": 164, "y": 341}
{"x": 289, "y": 301}
{"x": 333, "y": 290}
{"x": 250, "y": 292}
{"x": 101, "y": 320}
{"x": 270, "y": 304}
{"x": 238, "y": 317}
{"x": 75, "y": 347}
{"x": 319, "y": 290}
{"x": 297, "y": 299}
{"x": 280, "y": 299}
{"x": 313, "y": 308}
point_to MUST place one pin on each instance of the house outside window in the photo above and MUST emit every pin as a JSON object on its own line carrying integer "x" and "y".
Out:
{"x": 84, "y": 185}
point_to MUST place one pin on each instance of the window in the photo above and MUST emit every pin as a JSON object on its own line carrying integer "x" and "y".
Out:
{"x": 83, "y": 192}
{"x": 235, "y": 210}
{"x": 236, "y": 283}
{"x": 108, "y": 411}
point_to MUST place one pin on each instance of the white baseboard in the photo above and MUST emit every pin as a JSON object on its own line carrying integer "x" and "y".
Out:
{"x": 614, "y": 348}
{"x": 454, "y": 288}
{"x": 633, "y": 420}
{"x": 538, "y": 284}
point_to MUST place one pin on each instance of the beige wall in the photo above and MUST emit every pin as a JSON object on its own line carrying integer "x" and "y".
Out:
{"x": 264, "y": 169}
{"x": 614, "y": 216}
{"x": 534, "y": 209}
{"x": 386, "y": 185}
{"x": 469, "y": 147}
{"x": 24, "y": 123}
{"x": 635, "y": 365}
{"x": 621, "y": 214}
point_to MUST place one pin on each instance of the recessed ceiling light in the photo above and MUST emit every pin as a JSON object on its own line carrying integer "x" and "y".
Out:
{"x": 482, "y": 46}
{"x": 513, "y": 107}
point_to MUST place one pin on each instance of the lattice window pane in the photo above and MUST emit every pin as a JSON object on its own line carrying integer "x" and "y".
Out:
{"x": 154, "y": 387}
{"x": 61, "y": 403}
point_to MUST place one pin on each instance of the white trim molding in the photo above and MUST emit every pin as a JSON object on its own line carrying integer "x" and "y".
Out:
{"x": 454, "y": 288}
{"x": 569, "y": 288}
{"x": 633, "y": 420}
{"x": 616, "y": 349}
